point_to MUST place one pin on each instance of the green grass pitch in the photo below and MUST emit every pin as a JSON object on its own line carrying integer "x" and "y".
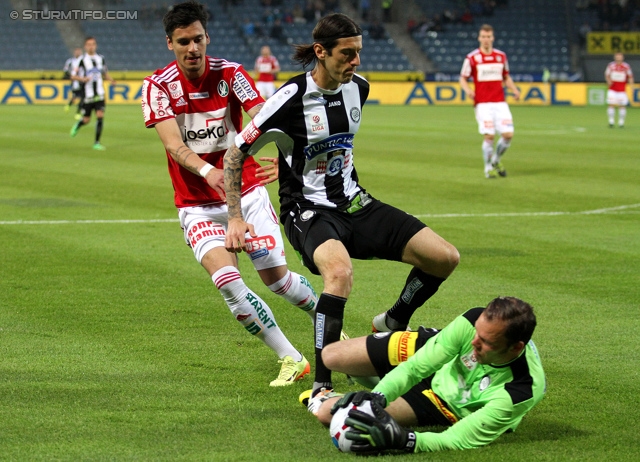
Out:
{"x": 115, "y": 345}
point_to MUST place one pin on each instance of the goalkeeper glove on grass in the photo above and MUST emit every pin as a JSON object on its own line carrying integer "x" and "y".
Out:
{"x": 379, "y": 433}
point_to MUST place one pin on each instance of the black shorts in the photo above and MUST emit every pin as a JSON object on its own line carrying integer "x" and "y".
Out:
{"x": 388, "y": 349}
{"x": 79, "y": 93}
{"x": 86, "y": 108}
{"x": 377, "y": 230}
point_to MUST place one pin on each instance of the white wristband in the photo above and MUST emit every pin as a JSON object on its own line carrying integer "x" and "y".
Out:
{"x": 206, "y": 169}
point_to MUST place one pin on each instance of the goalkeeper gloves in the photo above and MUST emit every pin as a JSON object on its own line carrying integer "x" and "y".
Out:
{"x": 378, "y": 433}
{"x": 357, "y": 398}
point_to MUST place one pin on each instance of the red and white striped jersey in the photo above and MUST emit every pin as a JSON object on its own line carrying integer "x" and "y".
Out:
{"x": 265, "y": 66}
{"x": 488, "y": 72}
{"x": 208, "y": 111}
{"x": 619, "y": 75}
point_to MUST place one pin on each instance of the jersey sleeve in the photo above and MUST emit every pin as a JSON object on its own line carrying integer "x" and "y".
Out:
{"x": 156, "y": 105}
{"x": 269, "y": 124}
{"x": 438, "y": 351}
{"x": 244, "y": 88}
{"x": 477, "y": 429}
{"x": 466, "y": 68}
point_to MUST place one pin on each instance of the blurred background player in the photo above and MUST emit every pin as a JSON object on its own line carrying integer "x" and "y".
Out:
{"x": 76, "y": 89}
{"x": 489, "y": 69}
{"x": 195, "y": 104}
{"x": 90, "y": 72}
{"x": 266, "y": 68}
{"x": 617, "y": 75}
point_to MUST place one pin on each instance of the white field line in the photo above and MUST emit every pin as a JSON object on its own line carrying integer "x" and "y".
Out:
{"x": 618, "y": 209}
{"x": 621, "y": 209}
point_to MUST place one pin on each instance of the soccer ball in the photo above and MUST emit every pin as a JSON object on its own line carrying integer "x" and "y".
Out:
{"x": 338, "y": 428}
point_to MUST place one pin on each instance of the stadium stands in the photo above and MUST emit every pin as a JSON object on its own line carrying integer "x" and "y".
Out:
{"x": 533, "y": 33}
{"x": 32, "y": 44}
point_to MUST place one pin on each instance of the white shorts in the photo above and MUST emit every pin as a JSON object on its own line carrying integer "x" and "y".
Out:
{"x": 205, "y": 228}
{"x": 266, "y": 89}
{"x": 617, "y": 98}
{"x": 494, "y": 117}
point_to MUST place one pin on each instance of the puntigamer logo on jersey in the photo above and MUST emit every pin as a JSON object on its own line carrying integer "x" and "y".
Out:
{"x": 339, "y": 141}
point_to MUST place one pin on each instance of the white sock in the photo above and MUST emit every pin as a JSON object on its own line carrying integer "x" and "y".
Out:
{"x": 487, "y": 152}
{"x": 611, "y": 112}
{"x": 502, "y": 146}
{"x": 622, "y": 113}
{"x": 297, "y": 290}
{"x": 252, "y": 312}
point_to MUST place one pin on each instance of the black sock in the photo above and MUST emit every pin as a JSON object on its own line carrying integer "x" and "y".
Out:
{"x": 80, "y": 123}
{"x": 98, "y": 130}
{"x": 418, "y": 288}
{"x": 329, "y": 315}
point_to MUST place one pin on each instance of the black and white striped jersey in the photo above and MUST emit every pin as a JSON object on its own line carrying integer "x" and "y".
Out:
{"x": 92, "y": 66}
{"x": 313, "y": 129}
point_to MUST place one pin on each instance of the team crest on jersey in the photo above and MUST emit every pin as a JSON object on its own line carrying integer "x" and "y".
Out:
{"x": 484, "y": 383}
{"x": 478, "y": 58}
{"x": 354, "y": 113}
{"x": 175, "y": 88}
{"x": 317, "y": 124}
{"x": 335, "y": 164}
{"x": 307, "y": 215}
{"x": 469, "y": 360}
{"x": 223, "y": 88}
{"x": 499, "y": 59}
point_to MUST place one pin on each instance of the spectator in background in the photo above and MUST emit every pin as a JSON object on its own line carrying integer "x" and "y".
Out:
{"x": 277, "y": 31}
{"x": 487, "y": 7}
{"x": 583, "y": 32}
{"x": 298, "y": 14}
{"x": 386, "y": 10}
{"x": 450, "y": 17}
{"x": 467, "y": 17}
{"x": 475, "y": 6}
{"x": 376, "y": 30}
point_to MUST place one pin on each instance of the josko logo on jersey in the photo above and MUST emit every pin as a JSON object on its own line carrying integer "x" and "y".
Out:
{"x": 339, "y": 141}
{"x": 206, "y": 132}
{"x": 259, "y": 246}
{"x": 175, "y": 88}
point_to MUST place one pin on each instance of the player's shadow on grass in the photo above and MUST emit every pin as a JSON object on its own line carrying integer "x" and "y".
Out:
{"x": 542, "y": 431}
{"x": 491, "y": 252}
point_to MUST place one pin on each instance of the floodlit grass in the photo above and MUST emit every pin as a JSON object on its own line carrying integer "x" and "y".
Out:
{"x": 114, "y": 344}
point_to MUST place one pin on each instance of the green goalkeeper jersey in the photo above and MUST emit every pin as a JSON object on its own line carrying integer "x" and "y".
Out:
{"x": 487, "y": 400}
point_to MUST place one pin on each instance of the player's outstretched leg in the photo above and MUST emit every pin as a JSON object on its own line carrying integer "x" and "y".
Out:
{"x": 297, "y": 290}
{"x": 257, "y": 318}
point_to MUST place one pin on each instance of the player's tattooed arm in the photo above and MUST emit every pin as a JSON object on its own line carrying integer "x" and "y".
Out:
{"x": 233, "y": 161}
{"x": 181, "y": 154}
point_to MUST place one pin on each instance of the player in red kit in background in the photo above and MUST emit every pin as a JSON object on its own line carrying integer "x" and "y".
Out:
{"x": 489, "y": 69}
{"x": 266, "y": 68}
{"x": 617, "y": 75}
{"x": 195, "y": 105}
